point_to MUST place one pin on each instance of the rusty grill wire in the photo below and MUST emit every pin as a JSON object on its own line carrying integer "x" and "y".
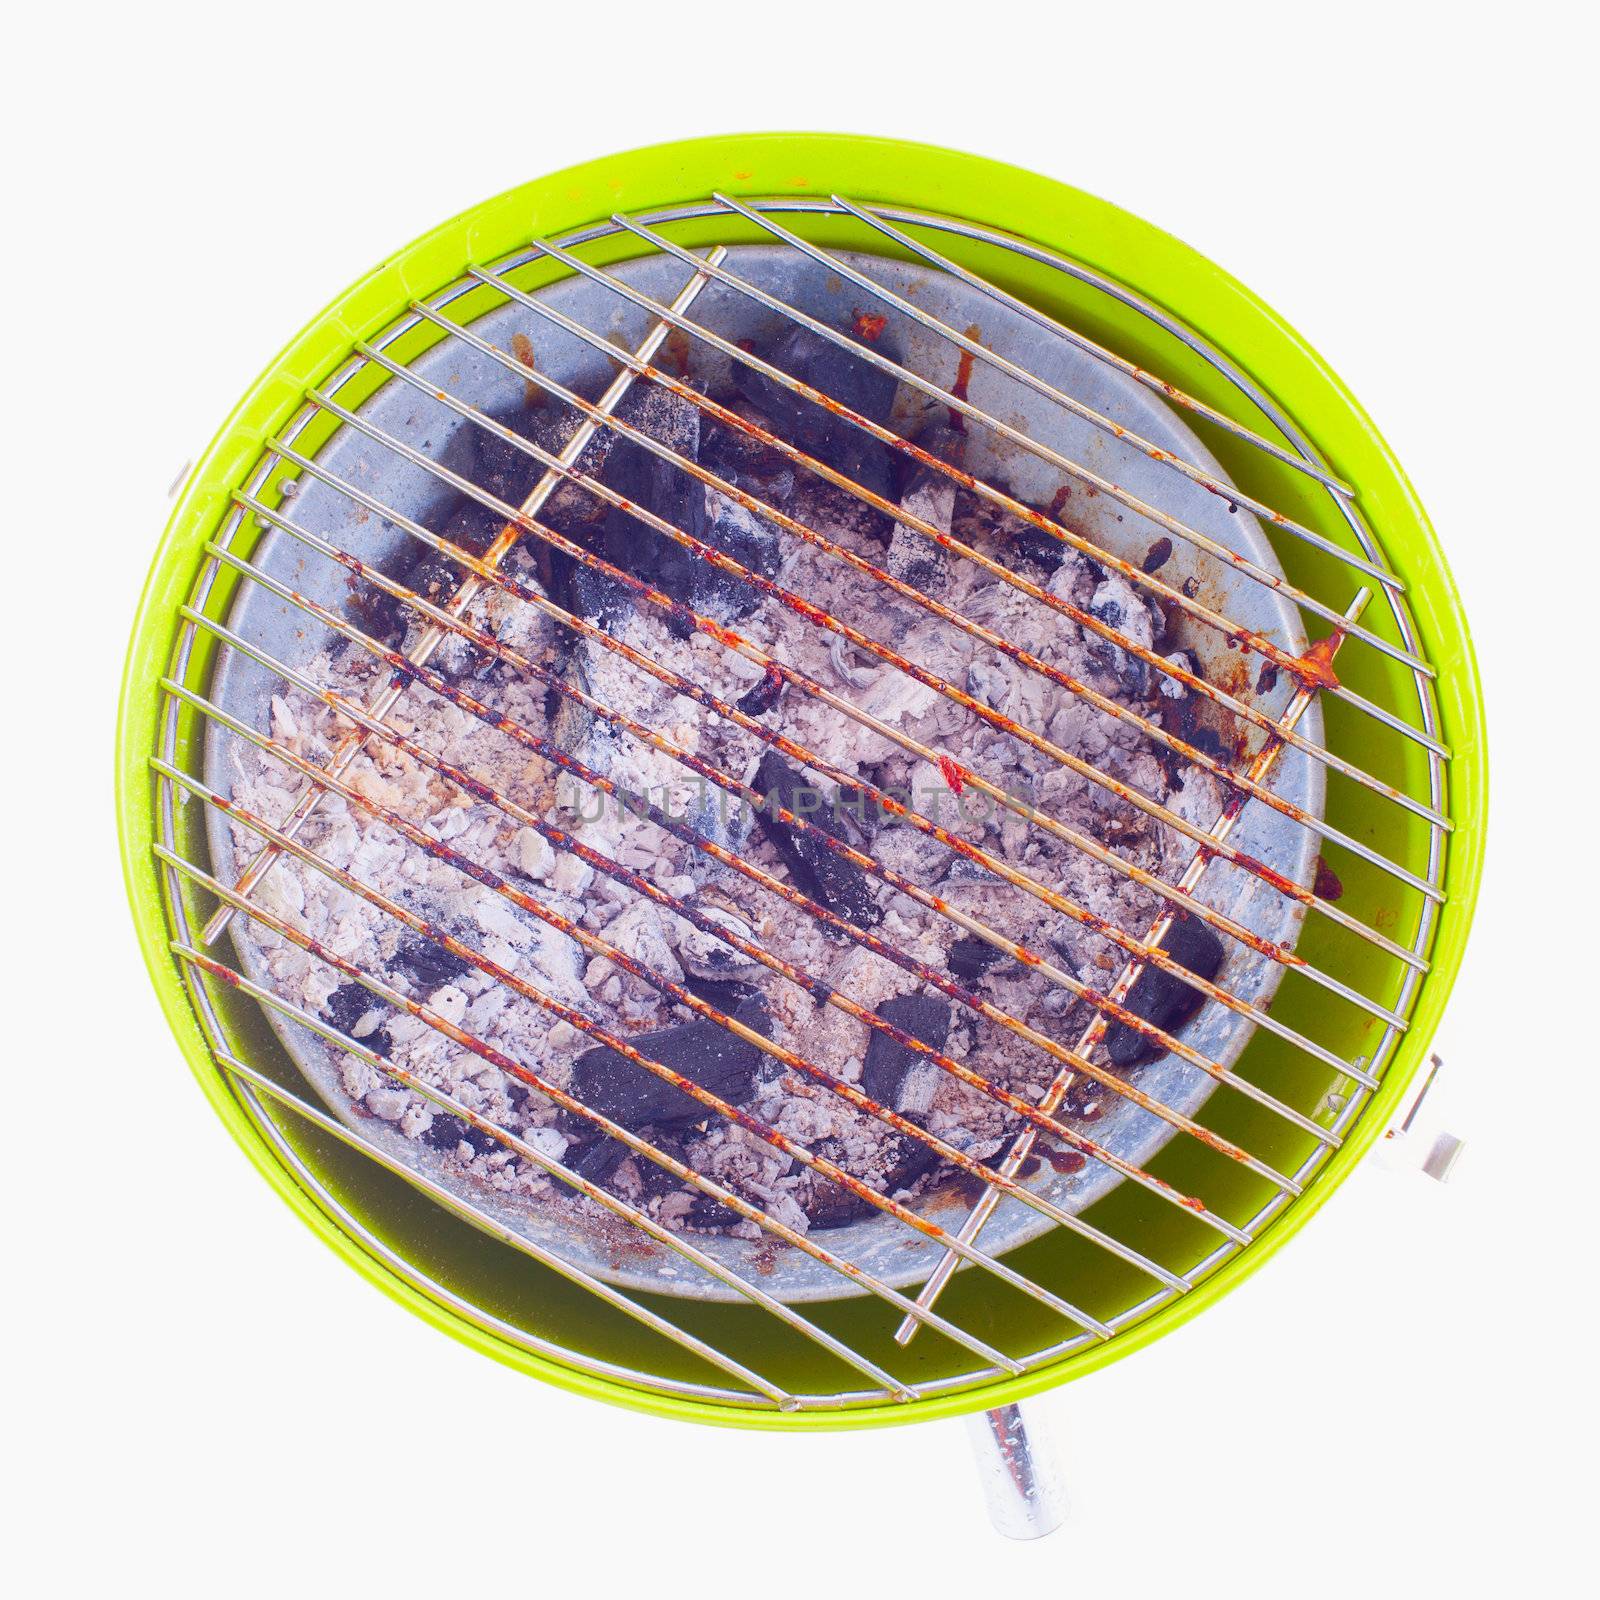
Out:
{"x": 741, "y": 1383}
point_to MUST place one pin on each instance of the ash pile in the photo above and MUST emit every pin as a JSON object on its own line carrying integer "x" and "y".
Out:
{"x": 682, "y": 826}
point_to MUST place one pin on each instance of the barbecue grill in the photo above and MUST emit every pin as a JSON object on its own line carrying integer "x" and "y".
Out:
{"x": 1116, "y": 396}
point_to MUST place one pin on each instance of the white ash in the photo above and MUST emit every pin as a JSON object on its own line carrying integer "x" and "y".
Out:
{"x": 554, "y": 963}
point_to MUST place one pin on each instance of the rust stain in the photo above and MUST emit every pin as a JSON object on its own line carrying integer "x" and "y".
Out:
{"x": 868, "y": 326}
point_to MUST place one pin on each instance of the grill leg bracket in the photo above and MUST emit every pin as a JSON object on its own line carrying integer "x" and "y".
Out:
{"x": 1021, "y": 1481}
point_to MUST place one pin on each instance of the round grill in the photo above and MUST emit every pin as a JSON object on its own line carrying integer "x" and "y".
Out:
{"x": 1114, "y": 402}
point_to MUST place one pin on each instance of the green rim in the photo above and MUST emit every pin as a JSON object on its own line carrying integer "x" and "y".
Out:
{"x": 1059, "y": 218}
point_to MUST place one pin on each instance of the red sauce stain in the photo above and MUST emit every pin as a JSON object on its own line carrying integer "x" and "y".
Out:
{"x": 1327, "y": 884}
{"x": 676, "y": 346}
{"x": 958, "y": 423}
{"x": 868, "y": 326}
{"x": 1064, "y": 1161}
{"x": 952, "y": 775}
{"x": 522, "y": 349}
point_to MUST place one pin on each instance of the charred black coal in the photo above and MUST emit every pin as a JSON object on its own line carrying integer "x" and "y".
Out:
{"x": 1162, "y": 999}
{"x": 833, "y": 371}
{"x": 702, "y": 1051}
{"x": 889, "y": 1064}
{"x": 704, "y": 1212}
{"x": 649, "y": 481}
{"x": 348, "y": 1004}
{"x": 446, "y": 1132}
{"x": 426, "y": 964}
{"x": 820, "y": 872}
{"x": 758, "y": 701}
{"x": 657, "y": 485}
{"x": 970, "y": 958}
{"x": 834, "y": 1206}
{"x": 911, "y": 1160}
{"x": 723, "y": 993}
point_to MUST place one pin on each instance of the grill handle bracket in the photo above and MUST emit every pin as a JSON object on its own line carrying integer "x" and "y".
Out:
{"x": 1021, "y": 1482}
{"x": 1419, "y": 1141}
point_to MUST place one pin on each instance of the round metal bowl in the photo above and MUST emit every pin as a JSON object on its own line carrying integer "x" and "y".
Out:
{"x": 880, "y": 1244}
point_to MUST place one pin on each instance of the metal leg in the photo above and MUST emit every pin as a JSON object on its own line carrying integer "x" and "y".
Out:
{"x": 1020, "y": 1479}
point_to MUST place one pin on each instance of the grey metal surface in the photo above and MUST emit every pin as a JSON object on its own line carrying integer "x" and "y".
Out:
{"x": 878, "y": 1244}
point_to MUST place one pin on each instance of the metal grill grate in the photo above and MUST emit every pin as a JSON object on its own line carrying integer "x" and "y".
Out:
{"x": 1290, "y": 1102}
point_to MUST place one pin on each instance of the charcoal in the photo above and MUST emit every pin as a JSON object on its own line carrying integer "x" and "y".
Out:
{"x": 510, "y": 473}
{"x": 892, "y": 1071}
{"x": 911, "y": 1160}
{"x": 736, "y": 456}
{"x": 819, "y": 872}
{"x": 590, "y": 594}
{"x": 930, "y": 496}
{"x": 377, "y": 614}
{"x": 1162, "y": 999}
{"x": 752, "y": 542}
{"x": 664, "y": 489}
{"x": 434, "y": 578}
{"x": 473, "y": 527}
{"x": 608, "y": 1082}
{"x": 348, "y": 1004}
{"x": 764, "y": 696}
{"x": 426, "y": 964}
{"x": 834, "y": 1206}
{"x": 725, "y": 994}
{"x": 446, "y": 1132}
{"x": 704, "y": 1212}
{"x": 971, "y": 958}
{"x": 831, "y": 369}
{"x": 1034, "y": 543}
{"x": 598, "y": 1159}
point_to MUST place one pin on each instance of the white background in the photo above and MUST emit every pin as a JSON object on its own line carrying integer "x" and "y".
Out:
{"x": 1402, "y": 1401}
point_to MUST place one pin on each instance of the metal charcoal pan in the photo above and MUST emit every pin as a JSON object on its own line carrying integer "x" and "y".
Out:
{"x": 879, "y": 1244}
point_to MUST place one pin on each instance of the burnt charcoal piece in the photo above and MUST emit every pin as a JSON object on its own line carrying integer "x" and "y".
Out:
{"x": 473, "y": 527}
{"x": 735, "y": 455}
{"x": 834, "y": 1206}
{"x": 1034, "y": 543}
{"x": 763, "y": 697}
{"x": 446, "y": 1132}
{"x": 912, "y": 1159}
{"x": 377, "y": 614}
{"x": 598, "y": 1160}
{"x": 818, "y": 871}
{"x": 827, "y": 367}
{"x": 723, "y": 993}
{"x": 590, "y": 594}
{"x": 1159, "y": 997}
{"x": 657, "y": 486}
{"x": 426, "y": 964}
{"x": 348, "y": 1004}
{"x": 752, "y": 542}
{"x": 889, "y": 1063}
{"x": 510, "y": 473}
{"x": 704, "y": 1212}
{"x": 705, "y": 1052}
{"x": 434, "y": 578}
{"x": 971, "y": 958}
